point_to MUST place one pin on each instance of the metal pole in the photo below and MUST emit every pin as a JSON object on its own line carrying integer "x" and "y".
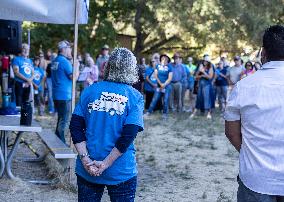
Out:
{"x": 74, "y": 77}
{"x": 75, "y": 54}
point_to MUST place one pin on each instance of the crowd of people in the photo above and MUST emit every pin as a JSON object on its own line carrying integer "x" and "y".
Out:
{"x": 168, "y": 84}
{"x": 202, "y": 83}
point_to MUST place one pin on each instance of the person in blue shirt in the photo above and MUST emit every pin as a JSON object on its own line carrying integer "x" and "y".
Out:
{"x": 191, "y": 69}
{"x": 150, "y": 83}
{"x": 103, "y": 127}
{"x": 61, "y": 75}
{"x": 179, "y": 76}
{"x": 164, "y": 75}
{"x": 221, "y": 83}
{"x": 39, "y": 79}
{"x": 23, "y": 70}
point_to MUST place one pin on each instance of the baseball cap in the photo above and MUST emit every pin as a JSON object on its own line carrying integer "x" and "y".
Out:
{"x": 63, "y": 44}
{"x": 105, "y": 47}
{"x": 237, "y": 58}
{"x": 207, "y": 58}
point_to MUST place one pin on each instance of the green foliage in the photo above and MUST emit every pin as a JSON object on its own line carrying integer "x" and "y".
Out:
{"x": 189, "y": 26}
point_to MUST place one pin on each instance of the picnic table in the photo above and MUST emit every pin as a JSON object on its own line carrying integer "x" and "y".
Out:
{"x": 9, "y": 124}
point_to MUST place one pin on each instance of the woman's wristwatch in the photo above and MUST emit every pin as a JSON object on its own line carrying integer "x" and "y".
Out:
{"x": 84, "y": 155}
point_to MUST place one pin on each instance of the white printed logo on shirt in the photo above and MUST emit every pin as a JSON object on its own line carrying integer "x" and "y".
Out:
{"x": 163, "y": 68}
{"x": 27, "y": 68}
{"x": 54, "y": 65}
{"x": 37, "y": 76}
{"x": 109, "y": 102}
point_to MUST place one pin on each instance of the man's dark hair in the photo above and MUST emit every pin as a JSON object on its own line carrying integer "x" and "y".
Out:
{"x": 273, "y": 42}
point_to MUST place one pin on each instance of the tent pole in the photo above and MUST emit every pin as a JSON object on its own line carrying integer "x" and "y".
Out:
{"x": 74, "y": 78}
{"x": 75, "y": 55}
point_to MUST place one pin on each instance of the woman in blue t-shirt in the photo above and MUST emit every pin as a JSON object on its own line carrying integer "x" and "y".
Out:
{"x": 163, "y": 74}
{"x": 23, "y": 70}
{"x": 103, "y": 127}
{"x": 150, "y": 83}
{"x": 39, "y": 79}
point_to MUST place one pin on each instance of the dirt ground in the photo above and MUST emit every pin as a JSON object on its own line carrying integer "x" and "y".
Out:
{"x": 180, "y": 159}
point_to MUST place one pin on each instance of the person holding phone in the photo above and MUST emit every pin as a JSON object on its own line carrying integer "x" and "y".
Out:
{"x": 204, "y": 75}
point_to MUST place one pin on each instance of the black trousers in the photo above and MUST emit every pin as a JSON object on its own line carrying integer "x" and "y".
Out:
{"x": 22, "y": 94}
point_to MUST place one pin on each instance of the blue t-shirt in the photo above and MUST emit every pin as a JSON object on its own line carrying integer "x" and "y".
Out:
{"x": 25, "y": 66}
{"x": 61, "y": 69}
{"x": 149, "y": 72}
{"x": 163, "y": 72}
{"x": 38, "y": 76}
{"x": 106, "y": 108}
{"x": 221, "y": 81}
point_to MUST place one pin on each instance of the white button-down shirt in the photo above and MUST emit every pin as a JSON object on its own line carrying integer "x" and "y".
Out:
{"x": 258, "y": 101}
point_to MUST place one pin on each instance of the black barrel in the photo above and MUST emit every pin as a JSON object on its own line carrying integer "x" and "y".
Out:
{"x": 26, "y": 114}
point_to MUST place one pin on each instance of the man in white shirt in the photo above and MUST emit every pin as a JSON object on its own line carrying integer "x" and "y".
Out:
{"x": 255, "y": 124}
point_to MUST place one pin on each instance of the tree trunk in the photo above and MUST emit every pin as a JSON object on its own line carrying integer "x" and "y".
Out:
{"x": 140, "y": 36}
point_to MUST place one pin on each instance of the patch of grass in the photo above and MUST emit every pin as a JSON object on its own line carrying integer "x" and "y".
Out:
{"x": 223, "y": 198}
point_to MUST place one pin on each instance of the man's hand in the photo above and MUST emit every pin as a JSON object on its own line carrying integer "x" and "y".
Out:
{"x": 92, "y": 170}
{"x": 100, "y": 165}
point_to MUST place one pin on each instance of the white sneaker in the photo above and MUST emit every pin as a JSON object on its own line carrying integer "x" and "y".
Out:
{"x": 146, "y": 115}
{"x": 209, "y": 116}
{"x": 192, "y": 115}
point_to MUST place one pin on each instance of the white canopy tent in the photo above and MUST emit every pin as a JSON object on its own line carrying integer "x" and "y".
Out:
{"x": 49, "y": 11}
{"x": 45, "y": 11}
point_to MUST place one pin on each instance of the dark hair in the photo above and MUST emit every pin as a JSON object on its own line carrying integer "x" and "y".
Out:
{"x": 36, "y": 58}
{"x": 273, "y": 42}
{"x": 140, "y": 60}
{"x": 208, "y": 65}
{"x": 249, "y": 62}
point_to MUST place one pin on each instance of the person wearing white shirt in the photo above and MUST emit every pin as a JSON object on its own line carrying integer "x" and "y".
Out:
{"x": 255, "y": 124}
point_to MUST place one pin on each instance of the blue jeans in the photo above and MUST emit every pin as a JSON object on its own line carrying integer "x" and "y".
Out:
{"x": 222, "y": 96}
{"x": 50, "y": 98}
{"x": 166, "y": 98}
{"x": 191, "y": 83}
{"x": 63, "y": 108}
{"x": 204, "y": 97}
{"x": 247, "y": 195}
{"x": 90, "y": 192}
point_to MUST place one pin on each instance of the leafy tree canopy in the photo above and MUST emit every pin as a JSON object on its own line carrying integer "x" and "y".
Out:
{"x": 191, "y": 27}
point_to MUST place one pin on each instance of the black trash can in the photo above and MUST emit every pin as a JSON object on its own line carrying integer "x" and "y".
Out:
{"x": 26, "y": 114}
